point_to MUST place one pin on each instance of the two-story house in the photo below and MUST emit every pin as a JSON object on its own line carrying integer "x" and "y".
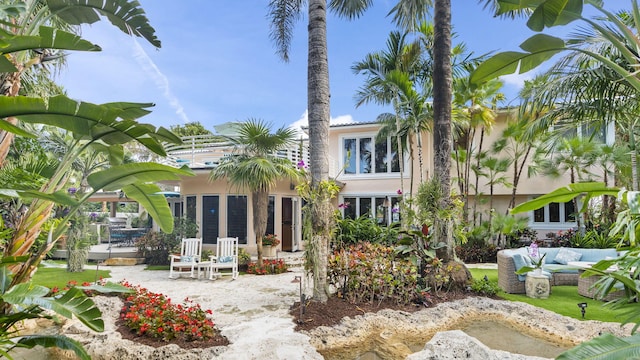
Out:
{"x": 371, "y": 173}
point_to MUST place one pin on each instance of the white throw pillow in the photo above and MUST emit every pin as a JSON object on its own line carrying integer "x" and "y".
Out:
{"x": 565, "y": 255}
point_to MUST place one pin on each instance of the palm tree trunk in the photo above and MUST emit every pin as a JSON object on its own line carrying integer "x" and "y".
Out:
{"x": 260, "y": 203}
{"x": 442, "y": 80}
{"x": 400, "y": 149}
{"x": 516, "y": 177}
{"x": 475, "y": 192}
{"x": 319, "y": 116}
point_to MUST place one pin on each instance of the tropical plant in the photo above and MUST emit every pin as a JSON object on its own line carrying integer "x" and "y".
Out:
{"x": 29, "y": 301}
{"x": 365, "y": 273}
{"x": 283, "y": 15}
{"x": 255, "y": 165}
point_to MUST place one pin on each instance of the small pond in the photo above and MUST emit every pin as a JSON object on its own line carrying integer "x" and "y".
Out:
{"x": 492, "y": 333}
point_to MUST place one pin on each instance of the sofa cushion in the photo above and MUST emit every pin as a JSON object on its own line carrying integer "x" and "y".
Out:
{"x": 595, "y": 255}
{"x": 520, "y": 261}
{"x": 558, "y": 268}
{"x": 565, "y": 255}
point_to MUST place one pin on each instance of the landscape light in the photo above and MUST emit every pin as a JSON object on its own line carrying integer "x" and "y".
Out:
{"x": 583, "y": 308}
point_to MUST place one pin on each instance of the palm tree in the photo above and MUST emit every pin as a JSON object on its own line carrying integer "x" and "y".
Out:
{"x": 475, "y": 109}
{"x": 283, "y": 15}
{"x": 399, "y": 56}
{"x": 256, "y": 166}
{"x": 442, "y": 88}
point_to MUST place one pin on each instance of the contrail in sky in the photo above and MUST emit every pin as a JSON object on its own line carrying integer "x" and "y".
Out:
{"x": 160, "y": 80}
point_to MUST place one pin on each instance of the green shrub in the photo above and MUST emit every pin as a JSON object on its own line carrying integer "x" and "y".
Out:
{"x": 371, "y": 272}
{"x": 155, "y": 247}
{"x": 243, "y": 257}
{"x": 476, "y": 252}
{"x": 485, "y": 287}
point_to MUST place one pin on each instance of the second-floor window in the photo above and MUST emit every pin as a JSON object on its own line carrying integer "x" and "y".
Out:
{"x": 366, "y": 155}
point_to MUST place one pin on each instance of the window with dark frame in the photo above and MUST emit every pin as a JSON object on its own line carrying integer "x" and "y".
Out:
{"x": 237, "y": 217}
{"x": 210, "y": 219}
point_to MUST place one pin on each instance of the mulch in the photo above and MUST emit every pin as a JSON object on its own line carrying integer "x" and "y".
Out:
{"x": 335, "y": 309}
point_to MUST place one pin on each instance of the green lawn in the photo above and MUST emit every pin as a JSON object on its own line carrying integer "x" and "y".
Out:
{"x": 59, "y": 277}
{"x": 563, "y": 300}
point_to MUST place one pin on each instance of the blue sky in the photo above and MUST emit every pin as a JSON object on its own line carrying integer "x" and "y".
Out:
{"x": 217, "y": 63}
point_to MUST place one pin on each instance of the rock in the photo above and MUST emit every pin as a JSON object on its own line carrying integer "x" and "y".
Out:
{"x": 456, "y": 344}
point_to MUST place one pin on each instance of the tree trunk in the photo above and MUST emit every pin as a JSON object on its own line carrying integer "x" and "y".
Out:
{"x": 319, "y": 116}
{"x": 442, "y": 80}
{"x": 260, "y": 203}
{"x": 518, "y": 169}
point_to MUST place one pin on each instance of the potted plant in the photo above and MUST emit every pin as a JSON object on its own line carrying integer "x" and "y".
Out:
{"x": 269, "y": 244}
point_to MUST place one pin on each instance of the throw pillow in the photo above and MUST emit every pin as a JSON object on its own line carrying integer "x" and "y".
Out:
{"x": 565, "y": 255}
{"x": 520, "y": 261}
{"x": 186, "y": 258}
{"x": 226, "y": 259}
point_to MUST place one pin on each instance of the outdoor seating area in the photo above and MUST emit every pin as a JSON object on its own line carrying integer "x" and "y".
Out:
{"x": 190, "y": 261}
{"x": 511, "y": 260}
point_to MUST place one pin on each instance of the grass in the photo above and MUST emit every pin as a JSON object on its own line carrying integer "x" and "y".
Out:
{"x": 59, "y": 277}
{"x": 563, "y": 300}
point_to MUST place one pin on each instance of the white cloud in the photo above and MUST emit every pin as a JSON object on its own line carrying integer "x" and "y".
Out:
{"x": 161, "y": 81}
{"x": 303, "y": 122}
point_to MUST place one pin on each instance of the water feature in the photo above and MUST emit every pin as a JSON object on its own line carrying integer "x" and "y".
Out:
{"x": 491, "y": 332}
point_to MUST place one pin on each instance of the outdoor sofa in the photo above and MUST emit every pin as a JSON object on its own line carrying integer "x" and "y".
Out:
{"x": 511, "y": 260}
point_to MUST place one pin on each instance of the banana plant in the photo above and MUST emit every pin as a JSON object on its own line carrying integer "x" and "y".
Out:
{"x": 541, "y": 47}
{"x": 31, "y": 31}
{"x": 28, "y": 301}
{"x": 104, "y": 127}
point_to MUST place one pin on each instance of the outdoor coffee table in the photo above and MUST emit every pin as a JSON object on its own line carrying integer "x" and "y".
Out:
{"x": 585, "y": 284}
{"x": 204, "y": 266}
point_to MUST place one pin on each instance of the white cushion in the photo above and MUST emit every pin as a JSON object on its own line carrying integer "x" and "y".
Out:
{"x": 186, "y": 258}
{"x": 565, "y": 255}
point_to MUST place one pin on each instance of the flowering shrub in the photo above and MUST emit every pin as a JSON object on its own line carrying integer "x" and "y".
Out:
{"x": 153, "y": 315}
{"x": 269, "y": 267}
{"x": 367, "y": 272}
{"x": 270, "y": 240}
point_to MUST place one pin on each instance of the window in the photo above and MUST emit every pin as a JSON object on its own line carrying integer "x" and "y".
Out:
{"x": 556, "y": 213}
{"x": 237, "y": 217}
{"x": 191, "y": 208}
{"x": 177, "y": 209}
{"x": 384, "y": 209}
{"x": 595, "y": 131}
{"x": 210, "y": 219}
{"x": 271, "y": 221}
{"x": 366, "y": 155}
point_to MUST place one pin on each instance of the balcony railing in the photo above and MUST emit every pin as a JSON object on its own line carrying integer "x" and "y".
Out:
{"x": 206, "y": 151}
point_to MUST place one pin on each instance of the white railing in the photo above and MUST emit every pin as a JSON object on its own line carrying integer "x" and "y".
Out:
{"x": 207, "y": 150}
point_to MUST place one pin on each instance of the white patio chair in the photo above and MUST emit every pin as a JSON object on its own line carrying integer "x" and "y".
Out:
{"x": 186, "y": 262}
{"x": 226, "y": 258}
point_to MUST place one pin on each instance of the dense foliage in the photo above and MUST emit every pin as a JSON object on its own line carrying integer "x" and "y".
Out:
{"x": 371, "y": 272}
{"x": 156, "y": 247}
